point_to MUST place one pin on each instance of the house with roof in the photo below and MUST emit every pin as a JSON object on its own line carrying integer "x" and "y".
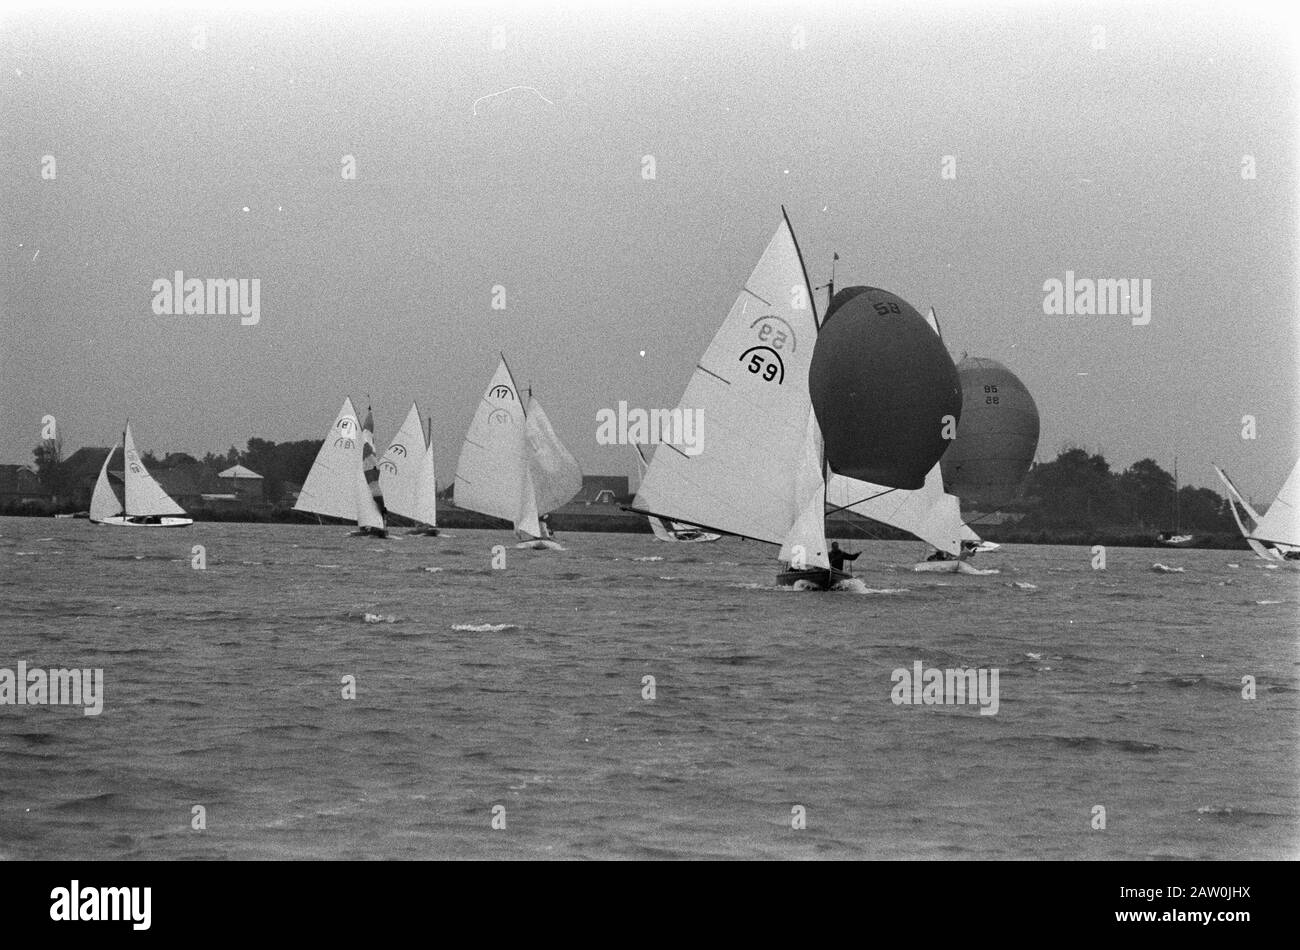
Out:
{"x": 602, "y": 490}
{"x": 81, "y": 471}
{"x": 20, "y": 487}
{"x": 243, "y": 483}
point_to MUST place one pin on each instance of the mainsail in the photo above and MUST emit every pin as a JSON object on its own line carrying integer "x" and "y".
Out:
{"x": 1281, "y": 535}
{"x": 406, "y": 473}
{"x": 399, "y": 469}
{"x": 144, "y": 496}
{"x": 331, "y": 486}
{"x": 104, "y": 503}
{"x": 1281, "y": 523}
{"x": 663, "y": 530}
{"x": 493, "y": 470}
{"x": 752, "y": 385}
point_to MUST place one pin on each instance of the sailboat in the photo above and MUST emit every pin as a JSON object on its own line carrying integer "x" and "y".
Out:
{"x": 337, "y": 485}
{"x": 764, "y": 473}
{"x": 512, "y": 464}
{"x": 146, "y": 504}
{"x": 406, "y": 475}
{"x": 1276, "y": 535}
{"x": 1174, "y": 538}
{"x": 672, "y": 531}
{"x": 761, "y": 475}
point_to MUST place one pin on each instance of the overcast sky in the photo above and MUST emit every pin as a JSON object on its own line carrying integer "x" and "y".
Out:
{"x": 226, "y": 161}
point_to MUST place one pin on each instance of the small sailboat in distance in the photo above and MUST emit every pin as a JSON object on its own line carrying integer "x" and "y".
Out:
{"x": 336, "y": 486}
{"x": 1274, "y": 536}
{"x": 145, "y": 505}
{"x": 407, "y": 478}
{"x": 512, "y": 464}
{"x": 1175, "y": 538}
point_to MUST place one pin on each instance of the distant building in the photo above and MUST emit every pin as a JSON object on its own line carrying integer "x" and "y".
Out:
{"x": 184, "y": 483}
{"x": 20, "y": 486}
{"x": 81, "y": 469}
{"x": 243, "y": 483}
{"x": 602, "y": 490}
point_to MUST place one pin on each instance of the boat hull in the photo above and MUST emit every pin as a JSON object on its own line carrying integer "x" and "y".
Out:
{"x": 950, "y": 567}
{"x": 687, "y": 536}
{"x": 1177, "y": 541}
{"x": 137, "y": 521}
{"x": 539, "y": 544}
{"x": 820, "y": 578}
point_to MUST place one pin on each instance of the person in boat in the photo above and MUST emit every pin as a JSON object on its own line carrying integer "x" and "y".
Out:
{"x": 838, "y": 557}
{"x": 545, "y": 524}
{"x": 967, "y": 552}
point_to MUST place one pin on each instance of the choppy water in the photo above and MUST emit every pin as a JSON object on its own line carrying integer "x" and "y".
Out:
{"x": 523, "y": 688}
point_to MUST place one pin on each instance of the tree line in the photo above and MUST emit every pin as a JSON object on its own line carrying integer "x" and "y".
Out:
{"x": 1076, "y": 490}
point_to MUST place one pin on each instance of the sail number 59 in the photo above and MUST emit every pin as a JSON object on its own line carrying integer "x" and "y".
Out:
{"x": 756, "y": 365}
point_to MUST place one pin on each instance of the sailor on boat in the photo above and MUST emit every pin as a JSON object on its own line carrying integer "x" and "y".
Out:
{"x": 544, "y": 522}
{"x": 838, "y": 557}
{"x": 968, "y": 550}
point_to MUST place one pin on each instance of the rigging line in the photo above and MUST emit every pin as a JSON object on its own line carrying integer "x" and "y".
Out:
{"x": 860, "y": 501}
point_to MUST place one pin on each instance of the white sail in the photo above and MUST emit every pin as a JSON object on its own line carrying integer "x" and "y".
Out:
{"x": 927, "y": 512}
{"x": 932, "y": 319}
{"x": 804, "y": 546}
{"x": 144, "y": 496}
{"x": 1280, "y": 524}
{"x": 749, "y": 398}
{"x": 426, "y": 494}
{"x": 1236, "y": 501}
{"x": 331, "y": 486}
{"x": 556, "y": 475}
{"x": 492, "y": 472}
{"x": 528, "y": 521}
{"x": 670, "y": 531}
{"x": 406, "y": 471}
{"x": 368, "y": 513}
{"x": 104, "y": 503}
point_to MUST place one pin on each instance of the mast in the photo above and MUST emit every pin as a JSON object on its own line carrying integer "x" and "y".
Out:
{"x": 125, "y": 495}
{"x": 516, "y": 385}
{"x": 1177, "y": 506}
